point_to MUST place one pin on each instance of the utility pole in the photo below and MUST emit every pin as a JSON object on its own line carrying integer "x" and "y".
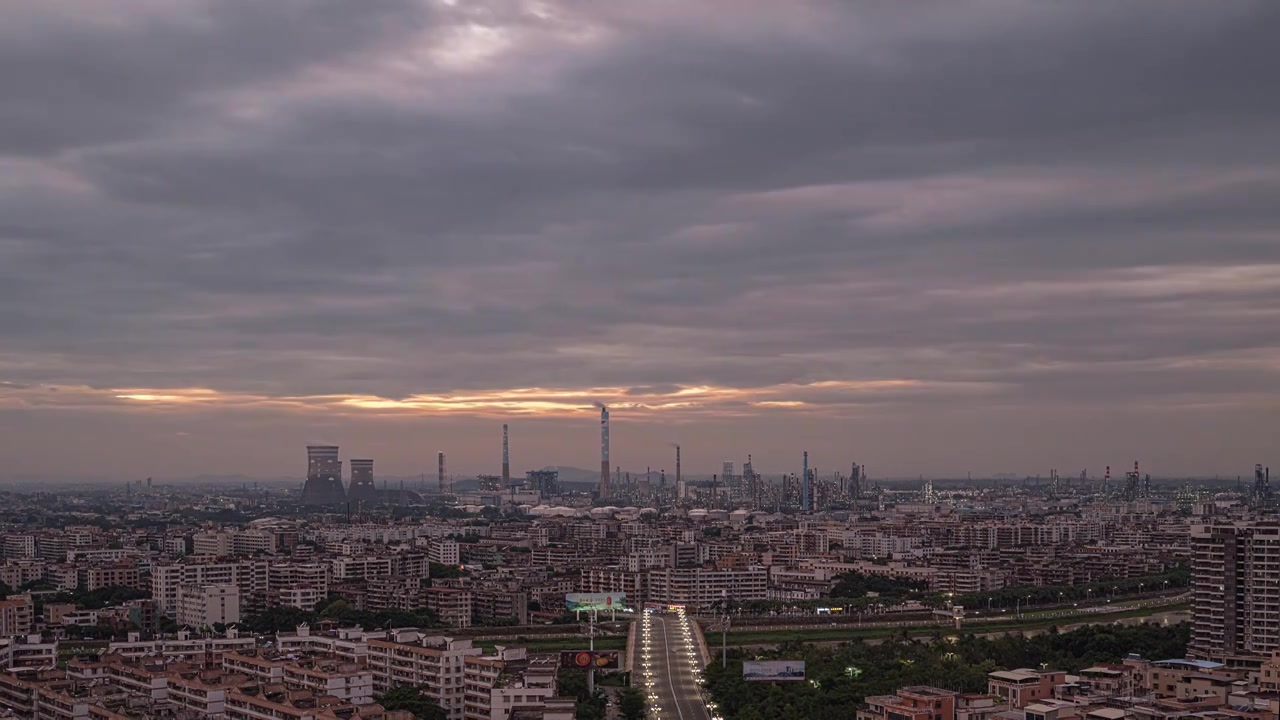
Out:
{"x": 724, "y": 632}
{"x": 591, "y": 671}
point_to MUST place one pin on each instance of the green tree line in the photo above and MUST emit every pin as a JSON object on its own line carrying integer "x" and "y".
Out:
{"x": 839, "y": 678}
{"x": 850, "y": 593}
{"x": 1178, "y": 577}
{"x": 285, "y": 619}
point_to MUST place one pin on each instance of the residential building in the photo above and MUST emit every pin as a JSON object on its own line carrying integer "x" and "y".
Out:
{"x": 1236, "y": 592}
{"x": 19, "y": 547}
{"x": 346, "y": 644}
{"x": 498, "y": 685}
{"x": 17, "y": 615}
{"x": 498, "y": 606}
{"x": 443, "y": 551}
{"x": 208, "y": 605}
{"x": 434, "y": 664}
{"x": 167, "y": 580}
{"x": 346, "y": 681}
{"x": 395, "y": 592}
{"x": 216, "y": 544}
{"x": 453, "y": 606}
{"x": 1117, "y": 680}
{"x": 701, "y": 587}
{"x": 199, "y": 650}
{"x": 117, "y": 574}
{"x": 202, "y": 693}
{"x": 979, "y": 706}
{"x": 27, "y": 652}
{"x": 302, "y": 597}
{"x": 918, "y": 702}
{"x": 1024, "y": 686}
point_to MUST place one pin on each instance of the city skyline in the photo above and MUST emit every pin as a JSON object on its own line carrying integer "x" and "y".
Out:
{"x": 985, "y": 237}
{"x": 772, "y": 467}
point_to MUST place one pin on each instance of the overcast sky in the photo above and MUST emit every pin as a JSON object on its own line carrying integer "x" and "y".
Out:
{"x": 933, "y": 237}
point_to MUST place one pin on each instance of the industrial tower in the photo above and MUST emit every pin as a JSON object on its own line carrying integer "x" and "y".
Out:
{"x": 805, "y": 500}
{"x": 680, "y": 491}
{"x": 506, "y": 460}
{"x": 602, "y": 491}
{"x": 363, "y": 489}
{"x": 324, "y": 477}
{"x": 1261, "y": 484}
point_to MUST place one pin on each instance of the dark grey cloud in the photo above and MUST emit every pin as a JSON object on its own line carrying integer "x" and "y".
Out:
{"x": 79, "y": 74}
{"x": 1010, "y": 204}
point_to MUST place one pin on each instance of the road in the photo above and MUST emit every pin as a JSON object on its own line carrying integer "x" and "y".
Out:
{"x": 666, "y": 659}
{"x": 979, "y": 617}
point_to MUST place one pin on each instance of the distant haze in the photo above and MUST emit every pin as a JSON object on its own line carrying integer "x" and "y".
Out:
{"x": 935, "y": 238}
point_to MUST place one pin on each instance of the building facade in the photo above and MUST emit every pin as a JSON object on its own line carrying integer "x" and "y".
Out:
{"x": 1236, "y": 591}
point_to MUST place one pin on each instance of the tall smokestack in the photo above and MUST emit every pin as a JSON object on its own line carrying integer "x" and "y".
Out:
{"x": 804, "y": 485}
{"x": 679, "y": 477}
{"x": 440, "y": 470}
{"x": 506, "y": 459}
{"x": 603, "y": 491}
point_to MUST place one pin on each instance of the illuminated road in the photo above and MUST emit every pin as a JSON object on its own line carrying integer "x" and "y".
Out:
{"x": 669, "y": 668}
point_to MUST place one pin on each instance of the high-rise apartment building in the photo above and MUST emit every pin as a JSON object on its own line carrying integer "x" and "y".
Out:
{"x": 1236, "y": 590}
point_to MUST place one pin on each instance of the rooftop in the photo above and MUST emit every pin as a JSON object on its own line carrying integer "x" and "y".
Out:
{"x": 926, "y": 690}
{"x": 1198, "y": 664}
{"x": 1021, "y": 675}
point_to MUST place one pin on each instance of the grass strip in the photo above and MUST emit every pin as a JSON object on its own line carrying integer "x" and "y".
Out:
{"x": 836, "y": 634}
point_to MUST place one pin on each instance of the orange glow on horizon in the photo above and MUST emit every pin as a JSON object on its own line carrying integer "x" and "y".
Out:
{"x": 530, "y": 401}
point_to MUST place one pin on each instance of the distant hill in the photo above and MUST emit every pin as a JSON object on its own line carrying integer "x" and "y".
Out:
{"x": 576, "y": 476}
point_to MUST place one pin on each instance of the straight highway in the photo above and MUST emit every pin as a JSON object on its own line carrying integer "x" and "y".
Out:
{"x": 669, "y": 668}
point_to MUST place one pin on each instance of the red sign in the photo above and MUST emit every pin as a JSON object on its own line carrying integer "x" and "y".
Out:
{"x": 585, "y": 659}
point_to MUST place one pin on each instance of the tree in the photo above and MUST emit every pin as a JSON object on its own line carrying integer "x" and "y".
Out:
{"x": 335, "y": 609}
{"x": 590, "y": 706}
{"x": 414, "y": 700}
{"x": 631, "y": 704}
{"x": 438, "y": 570}
{"x": 842, "y": 676}
{"x": 280, "y": 619}
{"x": 856, "y": 585}
{"x": 91, "y": 632}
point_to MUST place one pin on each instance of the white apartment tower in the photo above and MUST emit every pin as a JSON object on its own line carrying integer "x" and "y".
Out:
{"x": 207, "y": 605}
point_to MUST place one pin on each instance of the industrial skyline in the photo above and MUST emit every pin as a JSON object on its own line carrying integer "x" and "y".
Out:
{"x": 324, "y": 464}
